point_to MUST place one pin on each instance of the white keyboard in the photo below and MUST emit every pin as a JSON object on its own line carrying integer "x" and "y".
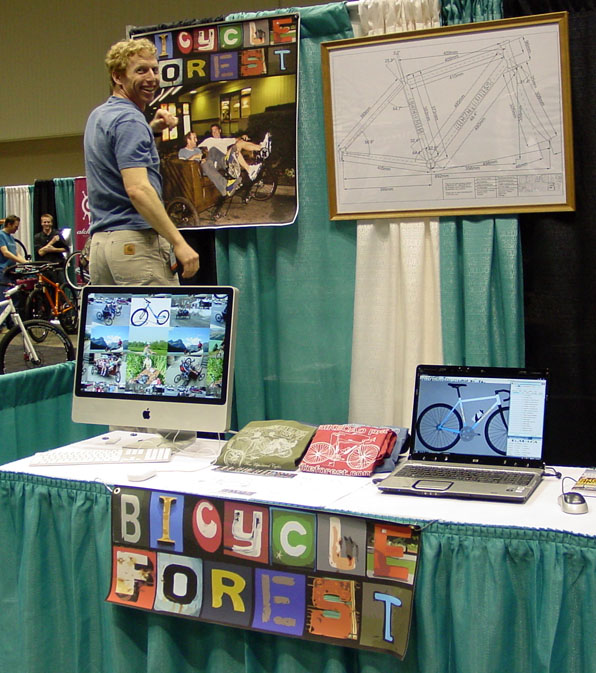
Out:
{"x": 94, "y": 456}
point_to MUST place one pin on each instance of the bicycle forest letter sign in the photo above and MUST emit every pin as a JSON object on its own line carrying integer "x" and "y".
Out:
{"x": 231, "y": 160}
{"x": 318, "y": 576}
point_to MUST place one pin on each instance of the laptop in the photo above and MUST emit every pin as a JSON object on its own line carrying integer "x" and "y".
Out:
{"x": 477, "y": 432}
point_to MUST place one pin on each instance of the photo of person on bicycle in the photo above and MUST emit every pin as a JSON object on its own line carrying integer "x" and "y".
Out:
{"x": 224, "y": 159}
{"x": 245, "y": 123}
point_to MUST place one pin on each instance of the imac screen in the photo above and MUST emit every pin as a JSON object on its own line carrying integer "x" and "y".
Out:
{"x": 156, "y": 357}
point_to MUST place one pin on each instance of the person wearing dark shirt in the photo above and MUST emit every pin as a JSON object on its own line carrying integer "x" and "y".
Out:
{"x": 48, "y": 244}
{"x": 50, "y": 247}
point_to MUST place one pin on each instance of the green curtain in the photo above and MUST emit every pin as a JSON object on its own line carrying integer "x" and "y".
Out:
{"x": 482, "y": 309}
{"x": 482, "y": 291}
{"x": 35, "y": 412}
{"x": 65, "y": 205}
{"x": 468, "y": 11}
{"x": 488, "y": 599}
{"x": 296, "y": 282}
{"x": 2, "y": 213}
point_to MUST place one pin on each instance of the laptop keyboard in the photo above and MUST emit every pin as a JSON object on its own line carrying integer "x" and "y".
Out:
{"x": 463, "y": 474}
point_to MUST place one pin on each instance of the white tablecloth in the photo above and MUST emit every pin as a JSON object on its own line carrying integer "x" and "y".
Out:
{"x": 192, "y": 472}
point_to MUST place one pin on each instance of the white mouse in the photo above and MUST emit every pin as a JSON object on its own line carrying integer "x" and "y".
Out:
{"x": 141, "y": 476}
{"x": 573, "y": 503}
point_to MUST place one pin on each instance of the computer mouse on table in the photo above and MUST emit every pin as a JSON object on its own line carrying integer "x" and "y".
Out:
{"x": 572, "y": 502}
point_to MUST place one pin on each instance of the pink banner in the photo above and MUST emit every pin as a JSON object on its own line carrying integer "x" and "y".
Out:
{"x": 82, "y": 214}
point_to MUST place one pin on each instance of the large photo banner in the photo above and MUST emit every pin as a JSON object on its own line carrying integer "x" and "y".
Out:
{"x": 341, "y": 579}
{"x": 231, "y": 160}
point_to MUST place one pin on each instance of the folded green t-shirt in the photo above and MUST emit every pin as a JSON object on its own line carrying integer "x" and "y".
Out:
{"x": 270, "y": 444}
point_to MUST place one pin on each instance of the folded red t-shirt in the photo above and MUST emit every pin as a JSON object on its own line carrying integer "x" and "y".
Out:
{"x": 347, "y": 449}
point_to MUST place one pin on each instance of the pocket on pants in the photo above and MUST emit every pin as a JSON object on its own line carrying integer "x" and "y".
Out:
{"x": 140, "y": 258}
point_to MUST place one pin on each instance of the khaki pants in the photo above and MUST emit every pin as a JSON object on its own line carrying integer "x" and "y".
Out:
{"x": 130, "y": 257}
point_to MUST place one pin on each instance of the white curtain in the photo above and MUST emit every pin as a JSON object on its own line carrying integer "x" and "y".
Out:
{"x": 17, "y": 201}
{"x": 397, "y": 309}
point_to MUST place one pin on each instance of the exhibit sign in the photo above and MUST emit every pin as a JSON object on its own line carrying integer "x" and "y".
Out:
{"x": 295, "y": 572}
{"x": 465, "y": 119}
{"x": 233, "y": 87}
{"x": 82, "y": 213}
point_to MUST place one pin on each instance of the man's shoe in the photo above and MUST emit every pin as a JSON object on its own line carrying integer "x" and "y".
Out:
{"x": 233, "y": 186}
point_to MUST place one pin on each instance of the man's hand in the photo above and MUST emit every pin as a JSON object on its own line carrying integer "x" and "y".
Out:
{"x": 162, "y": 120}
{"x": 188, "y": 257}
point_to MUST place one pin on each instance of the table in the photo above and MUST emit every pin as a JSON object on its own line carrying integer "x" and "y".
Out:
{"x": 501, "y": 587}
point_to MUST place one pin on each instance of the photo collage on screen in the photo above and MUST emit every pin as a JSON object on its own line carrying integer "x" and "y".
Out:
{"x": 155, "y": 344}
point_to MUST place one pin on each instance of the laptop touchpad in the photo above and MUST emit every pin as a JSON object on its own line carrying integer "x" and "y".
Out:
{"x": 432, "y": 485}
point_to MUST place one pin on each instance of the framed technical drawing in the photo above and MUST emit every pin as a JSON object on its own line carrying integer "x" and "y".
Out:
{"x": 465, "y": 119}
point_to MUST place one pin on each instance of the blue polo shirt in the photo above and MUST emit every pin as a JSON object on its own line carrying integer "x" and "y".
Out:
{"x": 117, "y": 136}
{"x": 8, "y": 241}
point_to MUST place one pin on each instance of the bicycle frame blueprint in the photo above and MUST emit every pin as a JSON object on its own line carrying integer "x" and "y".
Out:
{"x": 462, "y": 119}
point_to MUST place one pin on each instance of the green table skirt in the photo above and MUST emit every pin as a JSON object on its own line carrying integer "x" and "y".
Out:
{"x": 504, "y": 600}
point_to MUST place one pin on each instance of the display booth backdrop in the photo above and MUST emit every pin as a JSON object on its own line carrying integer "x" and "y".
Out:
{"x": 335, "y": 315}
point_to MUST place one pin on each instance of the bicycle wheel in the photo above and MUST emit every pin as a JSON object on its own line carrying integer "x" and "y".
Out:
{"x": 51, "y": 344}
{"x": 163, "y": 317}
{"x": 139, "y": 317}
{"x": 496, "y": 430}
{"x": 318, "y": 452}
{"x": 362, "y": 457}
{"x": 37, "y": 306}
{"x": 439, "y": 427}
{"x": 69, "y": 312}
{"x": 183, "y": 213}
{"x": 76, "y": 270}
{"x": 22, "y": 248}
{"x": 265, "y": 185}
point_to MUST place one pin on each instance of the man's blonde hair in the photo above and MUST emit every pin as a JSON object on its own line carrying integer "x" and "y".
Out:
{"x": 119, "y": 55}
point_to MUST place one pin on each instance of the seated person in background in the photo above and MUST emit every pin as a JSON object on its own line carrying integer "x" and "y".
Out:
{"x": 49, "y": 246}
{"x": 190, "y": 150}
{"x": 226, "y": 153}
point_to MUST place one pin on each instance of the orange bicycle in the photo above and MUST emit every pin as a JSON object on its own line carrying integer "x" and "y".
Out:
{"x": 49, "y": 300}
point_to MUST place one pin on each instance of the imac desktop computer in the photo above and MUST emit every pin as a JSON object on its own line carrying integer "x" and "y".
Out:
{"x": 159, "y": 359}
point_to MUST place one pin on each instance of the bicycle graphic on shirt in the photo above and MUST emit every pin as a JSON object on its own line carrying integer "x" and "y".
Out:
{"x": 351, "y": 451}
{"x": 441, "y": 426}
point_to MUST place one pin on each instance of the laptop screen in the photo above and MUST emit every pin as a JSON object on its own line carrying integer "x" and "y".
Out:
{"x": 479, "y": 412}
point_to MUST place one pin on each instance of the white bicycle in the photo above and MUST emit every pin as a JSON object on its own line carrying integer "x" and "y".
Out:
{"x": 32, "y": 343}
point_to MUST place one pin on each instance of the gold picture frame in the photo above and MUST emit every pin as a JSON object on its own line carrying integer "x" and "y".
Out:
{"x": 465, "y": 119}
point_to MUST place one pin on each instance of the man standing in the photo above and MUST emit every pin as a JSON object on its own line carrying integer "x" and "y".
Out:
{"x": 134, "y": 242}
{"x": 8, "y": 250}
{"x": 8, "y": 257}
{"x": 49, "y": 246}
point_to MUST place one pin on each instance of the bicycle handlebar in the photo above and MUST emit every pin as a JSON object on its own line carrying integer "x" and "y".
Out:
{"x": 22, "y": 269}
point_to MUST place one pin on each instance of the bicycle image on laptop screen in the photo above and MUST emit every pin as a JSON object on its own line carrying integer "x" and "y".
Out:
{"x": 477, "y": 412}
